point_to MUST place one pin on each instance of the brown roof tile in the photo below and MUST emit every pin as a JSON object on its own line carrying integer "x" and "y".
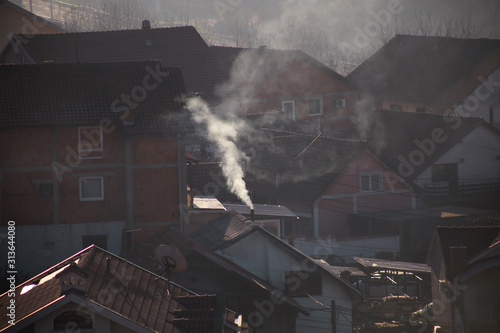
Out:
{"x": 174, "y": 47}
{"x": 140, "y": 296}
{"x": 84, "y": 94}
{"x": 420, "y": 68}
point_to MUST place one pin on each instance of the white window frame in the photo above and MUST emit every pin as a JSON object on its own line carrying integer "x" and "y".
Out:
{"x": 320, "y": 107}
{"x": 100, "y": 198}
{"x": 293, "y": 107}
{"x": 370, "y": 174}
{"x": 342, "y": 102}
{"x": 89, "y": 153}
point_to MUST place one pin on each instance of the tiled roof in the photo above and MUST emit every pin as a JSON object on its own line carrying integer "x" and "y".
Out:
{"x": 89, "y": 93}
{"x": 174, "y": 47}
{"x": 223, "y": 231}
{"x": 475, "y": 238}
{"x": 418, "y": 68}
{"x": 307, "y": 164}
{"x": 392, "y": 135}
{"x": 138, "y": 295}
{"x": 268, "y": 62}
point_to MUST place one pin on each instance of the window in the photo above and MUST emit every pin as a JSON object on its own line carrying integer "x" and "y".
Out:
{"x": 446, "y": 172}
{"x": 340, "y": 103}
{"x": 315, "y": 106}
{"x": 302, "y": 283}
{"x": 396, "y": 107}
{"x": 273, "y": 226}
{"x": 91, "y": 189}
{"x": 370, "y": 181}
{"x": 98, "y": 240}
{"x": 288, "y": 107}
{"x": 90, "y": 142}
{"x": 46, "y": 189}
{"x": 76, "y": 320}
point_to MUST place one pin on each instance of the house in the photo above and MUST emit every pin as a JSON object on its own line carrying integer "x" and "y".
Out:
{"x": 433, "y": 75}
{"x": 17, "y": 20}
{"x": 311, "y": 285}
{"x": 290, "y": 83}
{"x": 174, "y": 47}
{"x": 208, "y": 272}
{"x": 91, "y": 154}
{"x": 465, "y": 263}
{"x": 97, "y": 291}
{"x": 449, "y": 159}
{"x": 324, "y": 179}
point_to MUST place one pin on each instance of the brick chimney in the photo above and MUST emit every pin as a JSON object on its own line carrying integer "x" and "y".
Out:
{"x": 146, "y": 32}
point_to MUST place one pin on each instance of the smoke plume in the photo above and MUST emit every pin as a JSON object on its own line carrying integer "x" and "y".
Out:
{"x": 224, "y": 133}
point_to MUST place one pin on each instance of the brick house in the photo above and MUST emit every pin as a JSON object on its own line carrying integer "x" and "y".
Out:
{"x": 433, "y": 75}
{"x": 290, "y": 83}
{"x": 87, "y": 152}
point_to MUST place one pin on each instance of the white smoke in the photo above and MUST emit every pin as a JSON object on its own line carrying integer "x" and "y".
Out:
{"x": 224, "y": 133}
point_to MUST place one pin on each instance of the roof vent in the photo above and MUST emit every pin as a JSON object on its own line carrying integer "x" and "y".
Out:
{"x": 146, "y": 32}
{"x": 72, "y": 278}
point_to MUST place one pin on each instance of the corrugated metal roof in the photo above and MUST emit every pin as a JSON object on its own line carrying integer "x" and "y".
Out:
{"x": 380, "y": 264}
{"x": 200, "y": 202}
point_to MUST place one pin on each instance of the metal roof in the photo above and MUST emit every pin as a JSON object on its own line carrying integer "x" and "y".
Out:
{"x": 380, "y": 264}
{"x": 261, "y": 210}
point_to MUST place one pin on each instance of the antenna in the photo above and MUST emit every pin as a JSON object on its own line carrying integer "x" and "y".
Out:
{"x": 171, "y": 259}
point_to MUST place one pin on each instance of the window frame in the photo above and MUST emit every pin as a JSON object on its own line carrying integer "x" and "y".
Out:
{"x": 370, "y": 181}
{"x": 90, "y": 153}
{"x": 344, "y": 103}
{"x": 81, "y": 179}
{"x": 320, "y": 106}
{"x": 293, "y": 107}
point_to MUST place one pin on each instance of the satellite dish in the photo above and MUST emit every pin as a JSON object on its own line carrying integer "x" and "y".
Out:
{"x": 171, "y": 258}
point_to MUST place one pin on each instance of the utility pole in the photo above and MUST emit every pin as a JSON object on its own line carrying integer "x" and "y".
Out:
{"x": 333, "y": 319}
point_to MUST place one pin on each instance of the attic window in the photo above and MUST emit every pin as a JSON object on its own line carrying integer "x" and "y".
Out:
{"x": 315, "y": 106}
{"x": 74, "y": 320}
{"x": 90, "y": 142}
{"x": 370, "y": 181}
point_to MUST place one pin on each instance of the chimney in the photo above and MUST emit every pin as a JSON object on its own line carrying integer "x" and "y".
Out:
{"x": 146, "y": 32}
{"x": 458, "y": 260}
{"x": 252, "y": 215}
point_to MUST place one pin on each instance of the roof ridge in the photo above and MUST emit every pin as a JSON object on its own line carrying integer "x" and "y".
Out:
{"x": 101, "y": 31}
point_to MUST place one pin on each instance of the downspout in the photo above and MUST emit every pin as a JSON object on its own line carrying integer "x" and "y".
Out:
{"x": 316, "y": 216}
{"x": 181, "y": 167}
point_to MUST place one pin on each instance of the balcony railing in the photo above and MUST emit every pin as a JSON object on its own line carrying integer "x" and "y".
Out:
{"x": 435, "y": 190}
